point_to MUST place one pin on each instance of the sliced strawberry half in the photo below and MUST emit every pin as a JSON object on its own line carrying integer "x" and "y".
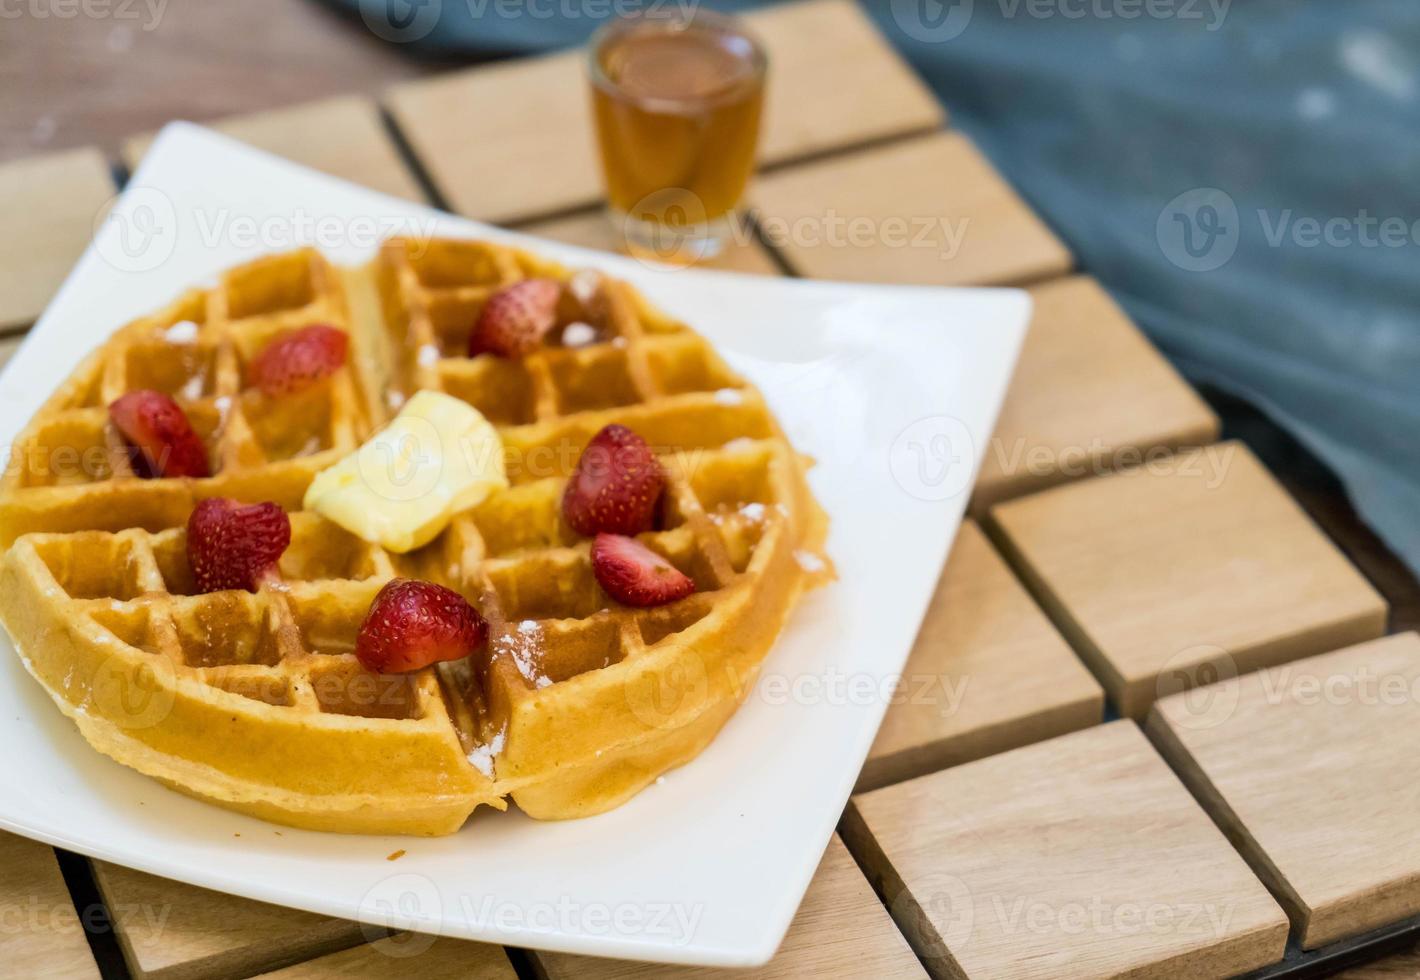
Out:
{"x": 634, "y": 575}
{"x": 299, "y": 359}
{"x": 616, "y": 485}
{"x": 159, "y": 434}
{"x": 516, "y": 318}
{"x": 413, "y": 624}
{"x": 234, "y": 546}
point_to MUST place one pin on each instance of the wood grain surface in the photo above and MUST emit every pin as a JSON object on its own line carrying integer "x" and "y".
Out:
{"x": 834, "y": 81}
{"x": 1062, "y": 420}
{"x": 407, "y": 957}
{"x": 504, "y": 142}
{"x": 1311, "y": 768}
{"x": 988, "y": 673}
{"x": 181, "y": 932}
{"x": 1183, "y": 570}
{"x": 124, "y": 68}
{"x": 50, "y": 206}
{"x": 926, "y": 211}
{"x": 343, "y": 136}
{"x": 40, "y": 931}
{"x": 1079, "y": 857}
{"x": 514, "y": 141}
{"x": 841, "y": 930}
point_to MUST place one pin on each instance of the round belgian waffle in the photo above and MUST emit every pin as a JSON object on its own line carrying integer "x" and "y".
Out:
{"x": 256, "y": 701}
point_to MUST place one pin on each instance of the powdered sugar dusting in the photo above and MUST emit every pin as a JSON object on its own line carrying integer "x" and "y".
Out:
{"x": 482, "y": 756}
{"x": 578, "y": 334}
{"x": 524, "y": 646}
{"x": 182, "y": 332}
{"x": 729, "y": 396}
{"x": 809, "y": 561}
{"x": 584, "y": 285}
{"x": 753, "y": 512}
{"x": 192, "y": 389}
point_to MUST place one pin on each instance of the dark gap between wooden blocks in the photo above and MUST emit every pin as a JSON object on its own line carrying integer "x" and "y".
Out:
{"x": 93, "y": 914}
{"x": 891, "y": 891}
{"x": 411, "y": 160}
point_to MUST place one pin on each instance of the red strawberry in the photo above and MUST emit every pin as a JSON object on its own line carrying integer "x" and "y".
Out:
{"x": 516, "y": 318}
{"x": 413, "y": 624}
{"x": 299, "y": 359}
{"x": 161, "y": 437}
{"x": 235, "y": 546}
{"x": 616, "y": 485}
{"x": 634, "y": 575}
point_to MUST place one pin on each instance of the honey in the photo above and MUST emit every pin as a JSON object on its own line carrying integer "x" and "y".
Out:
{"x": 677, "y": 107}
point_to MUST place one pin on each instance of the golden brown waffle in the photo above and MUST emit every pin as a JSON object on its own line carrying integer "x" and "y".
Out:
{"x": 256, "y": 701}
{"x": 70, "y": 471}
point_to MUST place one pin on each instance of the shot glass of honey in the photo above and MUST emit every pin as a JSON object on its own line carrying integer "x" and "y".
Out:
{"x": 677, "y": 102}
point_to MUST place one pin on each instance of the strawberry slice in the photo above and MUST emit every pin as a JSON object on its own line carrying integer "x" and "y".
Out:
{"x": 412, "y": 624}
{"x": 634, "y": 575}
{"x": 235, "y": 546}
{"x": 299, "y": 359}
{"x": 159, "y": 435}
{"x": 516, "y": 318}
{"x": 616, "y": 485}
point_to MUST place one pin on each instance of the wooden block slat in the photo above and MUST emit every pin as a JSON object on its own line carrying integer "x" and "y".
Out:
{"x": 344, "y": 137}
{"x": 1090, "y": 394}
{"x": 206, "y": 934}
{"x": 834, "y": 81}
{"x": 841, "y": 930}
{"x": 1184, "y": 570}
{"x": 48, "y": 209}
{"x": 595, "y": 229}
{"x": 927, "y": 211}
{"x": 40, "y": 933}
{"x": 515, "y": 141}
{"x": 988, "y": 673}
{"x": 507, "y": 141}
{"x": 1312, "y": 769}
{"x": 1079, "y": 857}
{"x": 406, "y": 957}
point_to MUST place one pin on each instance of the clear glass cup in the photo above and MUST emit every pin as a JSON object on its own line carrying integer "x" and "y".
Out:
{"x": 677, "y": 102}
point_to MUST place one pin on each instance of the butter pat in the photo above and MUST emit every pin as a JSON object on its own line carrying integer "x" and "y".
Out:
{"x": 439, "y": 456}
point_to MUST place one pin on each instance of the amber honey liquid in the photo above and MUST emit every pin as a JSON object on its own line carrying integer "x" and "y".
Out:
{"x": 677, "y": 110}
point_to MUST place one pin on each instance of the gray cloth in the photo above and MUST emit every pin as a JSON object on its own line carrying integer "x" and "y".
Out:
{"x": 1244, "y": 178}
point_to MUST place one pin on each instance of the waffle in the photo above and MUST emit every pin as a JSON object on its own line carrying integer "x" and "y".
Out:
{"x": 256, "y": 701}
{"x": 70, "y": 470}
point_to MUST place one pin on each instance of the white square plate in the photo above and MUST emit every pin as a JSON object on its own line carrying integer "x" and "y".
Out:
{"x": 894, "y": 390}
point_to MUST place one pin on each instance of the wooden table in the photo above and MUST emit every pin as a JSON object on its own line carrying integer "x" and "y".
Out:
{"x": 1118, "y": 550}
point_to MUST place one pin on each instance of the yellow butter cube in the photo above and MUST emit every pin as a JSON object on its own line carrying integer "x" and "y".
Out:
{"x": 438, "y": 457}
